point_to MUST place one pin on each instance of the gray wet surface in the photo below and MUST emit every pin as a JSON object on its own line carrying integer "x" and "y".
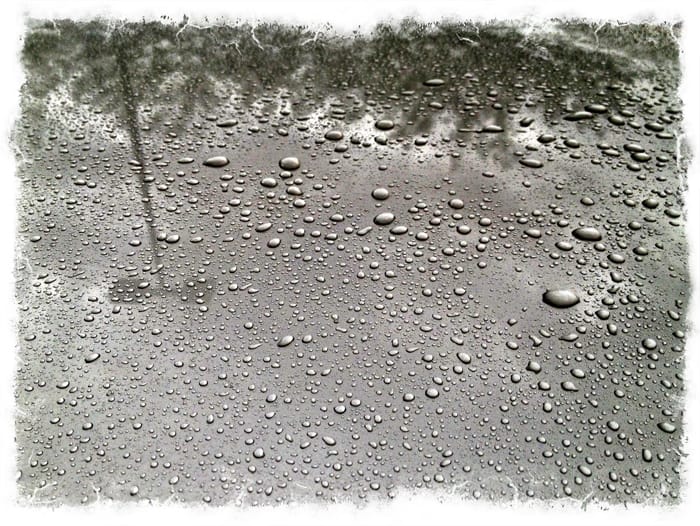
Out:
{"x": 264, "y": 264}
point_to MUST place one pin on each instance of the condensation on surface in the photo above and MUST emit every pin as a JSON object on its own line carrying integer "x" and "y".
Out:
{"x": 269, "y": 265}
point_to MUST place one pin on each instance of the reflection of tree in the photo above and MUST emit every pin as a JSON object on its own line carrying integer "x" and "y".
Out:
{"x": 389, "y": 60}
{"x": 129, "y": 102}
{"x": 122, "y": 68}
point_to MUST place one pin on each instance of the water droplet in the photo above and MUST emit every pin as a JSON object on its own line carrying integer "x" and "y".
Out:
{"x": 587, "y": 233}
{"x": 92, "y": 357}
{"x": 385, "y": 218}
{"x": 464, "y": 357}
{"x": 380, "y": 194}
{"x": 217, "y": 161}
{"x": 285, "y": 340}
{"x": 534, "y": 366}
{"x": 560, "y": 298}
{"x": 569, "y": 386}
{"x": 334, "y": 135}
{"x": 290, "y": 163}
{"x": 667, "y": 427}
{"x": 531, "y": 163}
{"x": 384, "y": 124}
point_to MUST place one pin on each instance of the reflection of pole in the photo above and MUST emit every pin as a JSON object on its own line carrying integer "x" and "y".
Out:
{"x": 132, "y": 124}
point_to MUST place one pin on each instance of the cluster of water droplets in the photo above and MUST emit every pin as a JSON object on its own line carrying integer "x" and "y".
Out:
{"x": 451, "y": 282}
